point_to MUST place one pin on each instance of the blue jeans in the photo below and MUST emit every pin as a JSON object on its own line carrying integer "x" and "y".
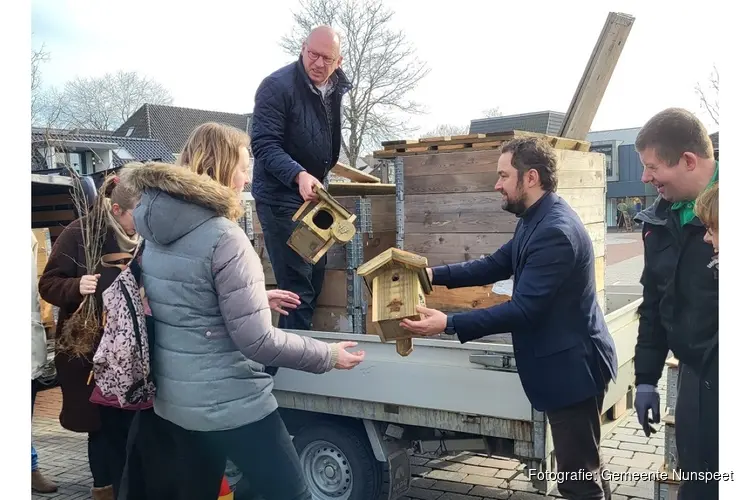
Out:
{"x": 34, "y": 456}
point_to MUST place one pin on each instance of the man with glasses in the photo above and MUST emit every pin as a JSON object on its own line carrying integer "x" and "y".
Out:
{"x": 296, "y": 140}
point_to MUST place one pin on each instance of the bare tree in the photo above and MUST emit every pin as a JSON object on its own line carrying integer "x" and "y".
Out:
{"x": 104, "y": 103}
{"x": 492, "y": 112}
{"x": 378, "y": 60}
{"x": 709, "y": 97}
{"x": 37, "y": 58}
{"x": 445, "y": 130}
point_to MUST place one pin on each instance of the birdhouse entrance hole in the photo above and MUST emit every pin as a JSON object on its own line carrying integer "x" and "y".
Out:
{"x": 395, "y": 277}
{"x": 323, "y": 219}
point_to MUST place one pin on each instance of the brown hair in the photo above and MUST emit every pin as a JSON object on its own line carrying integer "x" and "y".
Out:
{"x": 707, "y": 207}
{"x": 533, "y": 153}
{"x": 673, "y": 132}
{"x": 119, "y": 192}
{"x": 213, "y": 149}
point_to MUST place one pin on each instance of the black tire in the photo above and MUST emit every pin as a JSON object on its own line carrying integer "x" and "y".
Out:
{"x": 342, "y": 446}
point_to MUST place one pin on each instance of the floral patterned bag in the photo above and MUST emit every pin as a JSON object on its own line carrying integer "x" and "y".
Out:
{"x": 122, "y": 369}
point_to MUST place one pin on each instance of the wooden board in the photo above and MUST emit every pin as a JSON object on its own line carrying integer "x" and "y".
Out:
{"x": 450, "y": 248}
{"x": 373, "y": 244}
{"x": 471, "y": 142}
{"x": 360, "y": 189}
{"x": 352, "y": 174}
{"x": 464, "y": 299}
{"x": 596, "y": 76}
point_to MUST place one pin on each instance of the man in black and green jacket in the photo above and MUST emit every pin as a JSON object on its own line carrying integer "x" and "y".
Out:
{"x": 680, "y": 309}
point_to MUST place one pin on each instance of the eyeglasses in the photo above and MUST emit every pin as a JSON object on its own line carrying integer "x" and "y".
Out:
{"x": 314, "y": 56}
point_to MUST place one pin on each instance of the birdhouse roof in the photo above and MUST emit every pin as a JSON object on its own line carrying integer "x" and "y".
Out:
{"x": 399, "y": 258}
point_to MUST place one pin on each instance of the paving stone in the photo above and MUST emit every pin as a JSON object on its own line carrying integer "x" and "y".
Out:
{"x": 424, "y": 494}
{"x": 624, "y": 431}
{"x": 508, "y": 474}
{"x": 452, "y": 486}
{"x": 485, "y": 481}
{"x": 644, "y": 448}
{"x": 458, "y": 496}
{"x": 616, "y": 452}
{"x": 526, "y": 495}
{"x": 516, "y": 485}
{"x": 609, "y": 443}
{"x": 501, "y": 463}
{"x": 422, "y": 482}
{"x": 417, "y": 460}
{"x": 444, "y": 465}
{"x": 419, "y": 470}
{"x": 636, "y": 492}
{"x": 631, "y": 462}
{"x": 479, "y": 471}
{"x": 446, "y": 475}
{"x": 631, "y": 438}
{"x": 469, "y": 459}
{"x": 494, "y": 493}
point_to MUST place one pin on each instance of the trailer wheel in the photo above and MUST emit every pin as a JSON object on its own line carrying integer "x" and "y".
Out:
{"x": 337, "y": 463}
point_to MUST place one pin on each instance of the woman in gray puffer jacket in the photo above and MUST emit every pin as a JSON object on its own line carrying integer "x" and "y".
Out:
{"x": 213, "y": 331}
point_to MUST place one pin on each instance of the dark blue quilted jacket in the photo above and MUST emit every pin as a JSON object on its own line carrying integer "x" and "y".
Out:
{"x": 291, "y": 133}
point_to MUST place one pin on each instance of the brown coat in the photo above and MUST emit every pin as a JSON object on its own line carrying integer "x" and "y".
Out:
{"x": 59, "y": 285}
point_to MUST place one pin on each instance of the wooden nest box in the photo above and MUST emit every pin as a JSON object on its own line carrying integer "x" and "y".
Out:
{"x": 323, "y": 223}
{"x": 397, "y": 281}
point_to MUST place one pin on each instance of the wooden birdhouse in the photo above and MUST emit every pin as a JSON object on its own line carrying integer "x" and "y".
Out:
{"x": 397, "y": 281}
{"x": 322, "y": 223}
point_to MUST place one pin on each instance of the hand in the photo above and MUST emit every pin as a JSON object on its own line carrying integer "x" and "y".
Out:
{"x": 307, "y": 184}
{"x": 347, "y": 360}
{"x": 278, "y": 299}
{"x": 432, "y": 322}
{"x": 647, "y": 398}
{"x": 88, "y": 282}
{"x": 429, "y": 273}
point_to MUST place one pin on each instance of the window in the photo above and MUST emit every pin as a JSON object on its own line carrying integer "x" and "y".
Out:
{"x": 123, "y": 154}
{"x": 609, "y": 150}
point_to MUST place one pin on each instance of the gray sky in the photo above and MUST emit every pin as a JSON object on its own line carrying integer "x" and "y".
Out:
{"x": 520, "y": 56}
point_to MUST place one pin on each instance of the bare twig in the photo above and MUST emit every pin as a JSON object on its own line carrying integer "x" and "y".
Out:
{"x": 709, "y": 97}
{"x": 447, "y": 130}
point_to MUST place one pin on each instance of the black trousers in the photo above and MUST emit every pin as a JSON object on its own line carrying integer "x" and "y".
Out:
{"x": 107, "y": 447}
{"x": 168, "y": 461}
{"x": 576, "y": 434}
{"x": 291, "y": 271}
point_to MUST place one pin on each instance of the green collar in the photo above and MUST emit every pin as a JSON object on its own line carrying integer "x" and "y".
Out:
{"x": 685, "y": 208}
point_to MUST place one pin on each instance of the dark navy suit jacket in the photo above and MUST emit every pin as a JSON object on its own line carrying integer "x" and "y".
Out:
{"x": 563, "y": 349}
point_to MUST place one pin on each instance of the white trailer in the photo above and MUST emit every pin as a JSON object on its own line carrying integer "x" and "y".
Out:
{"x": 354, "y": 430}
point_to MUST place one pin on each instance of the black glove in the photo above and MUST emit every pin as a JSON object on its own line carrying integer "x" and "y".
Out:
{"x": 647, "y": 398}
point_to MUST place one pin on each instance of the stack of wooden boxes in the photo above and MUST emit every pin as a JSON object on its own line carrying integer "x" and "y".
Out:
{"x": 442, "y": 206}
{"x": 667, "y": 489}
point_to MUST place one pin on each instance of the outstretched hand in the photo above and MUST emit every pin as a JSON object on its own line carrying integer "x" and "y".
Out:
{"x": 433, "y": 322}
{"x": 280, "y": 299}
{"x": 347, "y": 360}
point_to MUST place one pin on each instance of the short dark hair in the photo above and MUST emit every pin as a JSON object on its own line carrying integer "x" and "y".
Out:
{"x": 673, "y": 132}
{"x": 536, "y": 153}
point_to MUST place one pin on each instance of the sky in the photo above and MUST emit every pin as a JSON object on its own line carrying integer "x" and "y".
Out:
{"x": 518, "y": 56}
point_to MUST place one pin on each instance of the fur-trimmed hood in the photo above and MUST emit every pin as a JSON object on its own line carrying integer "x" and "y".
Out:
{"x": 175, "y": 200}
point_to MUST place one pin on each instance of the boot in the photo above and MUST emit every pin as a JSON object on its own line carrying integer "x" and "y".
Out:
{"x": 41, "y": 484}
{"x": 105, "y": 493}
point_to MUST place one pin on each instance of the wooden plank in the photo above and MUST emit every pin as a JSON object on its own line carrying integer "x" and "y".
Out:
{"x": 468, "y": 245}
{"x": 353, "y": 174}
{"x": 373, "y": 245}
{"x": 51, "y": 200}
{"x": 360, "y": 189}
{"x": 334, "y": 292}
{"x": 53, "y": 216}
{"x": 485, "y": 182}
{"x": 463, "y": 299}
{"x": 463, "y": 221}
{"x": 596, "y": 76}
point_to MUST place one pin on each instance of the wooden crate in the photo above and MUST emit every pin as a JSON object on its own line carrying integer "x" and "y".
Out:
{"x": 453, "y": 214}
